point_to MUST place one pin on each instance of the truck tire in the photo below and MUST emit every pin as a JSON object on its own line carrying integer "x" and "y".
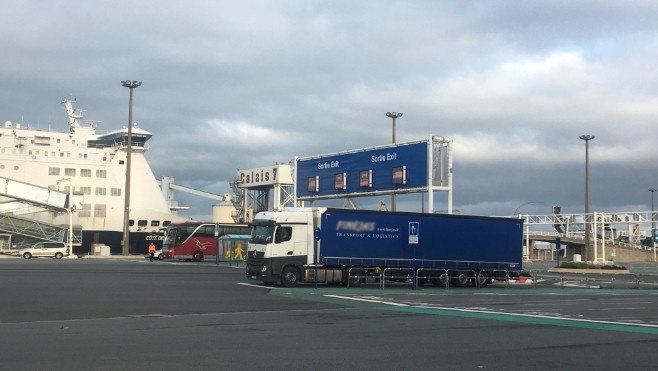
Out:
{"x": 462, "y": 278}
{"x": 290, "y": 277}
{"x": 481, "y": 280}
{"x": 442, "y": 281}
{"x": 352, "y": 281}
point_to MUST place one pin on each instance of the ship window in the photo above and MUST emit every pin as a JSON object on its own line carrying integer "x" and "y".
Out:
{"x": 36, "y": 153}
{"x": 155, "y": 223}
{"x": 15, "y": 167}
{"x": 58, "y": 140}
{"x": 99, "y": 210}
{"x": 142, "y": 223}
{"x": 86, "y": 209}
{"x": 29, "y": 152}
{"x": 115, "y": 191}
{"x": 101, "y": 173}
{"x": 69, "y": 171}
{"x": 45, "y": 153}
{"x": 166, "y": 223}
{"x": 85, "y": 173}
{"x": 131, "y": 223}
{"x": 120, "y": 162}
{"x": 61, "y": 154}
{"x": 2, "y": 167}
{"x": 100, "y": 191}
{"x": 53, "y": 171}
{"x": 52, "y": 153}
{"x": 85, "y": 190}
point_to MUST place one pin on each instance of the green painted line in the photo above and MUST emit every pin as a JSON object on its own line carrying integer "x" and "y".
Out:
{"x": 538, "y": 320}
{"x": 355, "y": 298}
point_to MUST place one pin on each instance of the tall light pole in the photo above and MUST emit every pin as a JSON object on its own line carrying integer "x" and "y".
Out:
{"x": 126, "y": 218}
{"x": 393, "y": 115}
{"x": 653, "y": 225}
{"x": 588, "y": 253}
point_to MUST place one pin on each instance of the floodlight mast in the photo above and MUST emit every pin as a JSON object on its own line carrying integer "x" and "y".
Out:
{"x": 393, "y": 115}
{"x": 589, "y": 254}
{"x": 126, "y": 218}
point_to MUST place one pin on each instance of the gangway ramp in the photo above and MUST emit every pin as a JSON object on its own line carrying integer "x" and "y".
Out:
{"x": 34, "y": 199}
{"x": 38, "y": 196}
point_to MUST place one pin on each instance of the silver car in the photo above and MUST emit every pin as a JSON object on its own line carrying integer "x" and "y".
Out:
{"x": 55, "y": 250}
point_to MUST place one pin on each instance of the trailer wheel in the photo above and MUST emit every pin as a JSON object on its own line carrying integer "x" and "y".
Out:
{"x": 462, "y": 279}
{"x": 290, "y": 277}
{"x": 481, "y": 280}
{"x": 354, "y": 279}
{"x": 442, "y": 281}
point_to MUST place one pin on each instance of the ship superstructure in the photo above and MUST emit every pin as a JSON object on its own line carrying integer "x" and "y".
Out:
{"x": 95, "y": 166}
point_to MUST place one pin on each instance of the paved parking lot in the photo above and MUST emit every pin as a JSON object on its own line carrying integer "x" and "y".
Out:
{"x": 132, "y": 314}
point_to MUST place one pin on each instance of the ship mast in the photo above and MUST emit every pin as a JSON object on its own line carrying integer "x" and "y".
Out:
{"x": 72, "y": 114}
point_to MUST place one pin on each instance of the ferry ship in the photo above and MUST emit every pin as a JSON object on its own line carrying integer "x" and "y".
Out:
{"x": 95, "y": 166}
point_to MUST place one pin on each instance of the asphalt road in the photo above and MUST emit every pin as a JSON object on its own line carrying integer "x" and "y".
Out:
{"x": 135, "y": 315}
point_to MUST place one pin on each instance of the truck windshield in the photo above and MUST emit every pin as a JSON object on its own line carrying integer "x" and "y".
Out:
{"x": 262, "y": 234}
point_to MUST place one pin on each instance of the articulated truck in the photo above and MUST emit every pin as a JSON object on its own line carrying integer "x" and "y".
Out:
{"x": 306, "y": 245}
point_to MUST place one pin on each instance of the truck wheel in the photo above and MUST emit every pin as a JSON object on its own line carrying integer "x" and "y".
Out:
{"x": 290, "y": 277}
{"x": 442, "y": 281}
{"x": 481, "y": 280}
{"x": 462, "y": 279}
{"x": 197, "y": 256}
{"x": 354, "y": 279}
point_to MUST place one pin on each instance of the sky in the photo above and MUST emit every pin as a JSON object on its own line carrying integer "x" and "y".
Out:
{"x": 230, "y": 85}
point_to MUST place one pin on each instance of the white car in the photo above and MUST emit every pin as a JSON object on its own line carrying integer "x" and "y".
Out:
{"x": 55, "y": 250}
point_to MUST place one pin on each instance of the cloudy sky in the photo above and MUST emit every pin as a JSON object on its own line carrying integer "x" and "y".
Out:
{"x": 233, "y": 85}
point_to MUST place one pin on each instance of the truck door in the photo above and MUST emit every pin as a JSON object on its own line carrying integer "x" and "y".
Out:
{"x": 283, "y": 245}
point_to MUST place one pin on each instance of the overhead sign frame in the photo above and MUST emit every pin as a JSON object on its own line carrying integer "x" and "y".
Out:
{"x": 410, "y": 167}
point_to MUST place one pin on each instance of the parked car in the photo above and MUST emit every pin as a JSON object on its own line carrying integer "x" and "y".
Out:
{"x": 55, "y": 250}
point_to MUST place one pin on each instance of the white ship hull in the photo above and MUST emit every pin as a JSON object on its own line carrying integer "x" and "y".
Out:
{"x": 96, "y": 167}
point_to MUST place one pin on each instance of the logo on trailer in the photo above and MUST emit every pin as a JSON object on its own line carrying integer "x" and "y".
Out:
{"x": 355, "y": 226}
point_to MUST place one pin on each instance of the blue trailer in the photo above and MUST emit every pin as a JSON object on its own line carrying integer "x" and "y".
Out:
{"x": 340, "y": 245}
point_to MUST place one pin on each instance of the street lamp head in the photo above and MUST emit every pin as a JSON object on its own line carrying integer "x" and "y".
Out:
{"x": 587, "y": 137}
{"x": 130, "y": 84}
{"x": 394, "y": 114}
